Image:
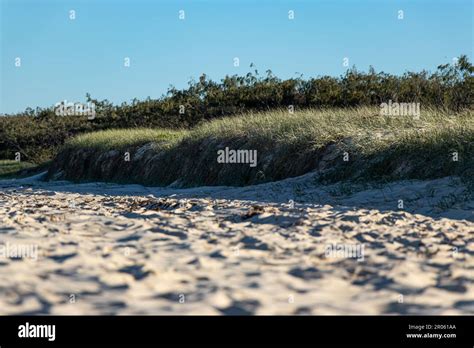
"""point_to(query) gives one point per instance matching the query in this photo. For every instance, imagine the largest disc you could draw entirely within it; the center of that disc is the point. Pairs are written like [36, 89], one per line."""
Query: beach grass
[123, 138]
[11, 169]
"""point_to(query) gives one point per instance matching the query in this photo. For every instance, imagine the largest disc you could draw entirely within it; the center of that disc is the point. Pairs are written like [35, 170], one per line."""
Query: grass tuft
[12, 169]
[123, 138]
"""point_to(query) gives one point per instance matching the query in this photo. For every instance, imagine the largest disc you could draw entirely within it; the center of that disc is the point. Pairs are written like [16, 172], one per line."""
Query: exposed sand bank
[128, 249]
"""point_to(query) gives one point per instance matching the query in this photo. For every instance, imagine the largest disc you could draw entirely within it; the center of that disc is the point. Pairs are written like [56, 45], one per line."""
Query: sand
[289, 247]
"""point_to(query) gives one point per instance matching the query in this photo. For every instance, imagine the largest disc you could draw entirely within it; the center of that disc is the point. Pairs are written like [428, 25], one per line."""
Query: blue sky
[64, 59]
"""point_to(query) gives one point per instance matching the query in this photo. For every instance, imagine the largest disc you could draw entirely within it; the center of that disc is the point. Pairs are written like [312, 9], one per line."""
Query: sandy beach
[288, 247]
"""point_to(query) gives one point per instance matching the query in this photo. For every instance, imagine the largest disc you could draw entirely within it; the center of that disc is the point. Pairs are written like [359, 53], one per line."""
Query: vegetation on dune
[38, 134]
[124, 138]
[13, 169]
[378, 148]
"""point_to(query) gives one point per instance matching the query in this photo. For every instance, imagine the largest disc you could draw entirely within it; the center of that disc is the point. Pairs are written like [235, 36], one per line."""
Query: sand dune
[289, 247]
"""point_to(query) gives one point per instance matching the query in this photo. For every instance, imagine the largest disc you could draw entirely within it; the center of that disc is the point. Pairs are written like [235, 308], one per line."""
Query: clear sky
[63, 58]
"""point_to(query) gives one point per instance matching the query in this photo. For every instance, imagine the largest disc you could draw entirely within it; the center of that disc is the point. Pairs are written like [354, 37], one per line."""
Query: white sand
[128, 249]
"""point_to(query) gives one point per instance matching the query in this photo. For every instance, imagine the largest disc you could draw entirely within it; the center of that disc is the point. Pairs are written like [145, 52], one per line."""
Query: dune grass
[321, 126]
[379, 147]
[11, 169]
[123, 138]
[306, 128]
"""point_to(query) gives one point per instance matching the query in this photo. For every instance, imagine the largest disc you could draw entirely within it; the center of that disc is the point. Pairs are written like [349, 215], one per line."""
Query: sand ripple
[198, 252]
